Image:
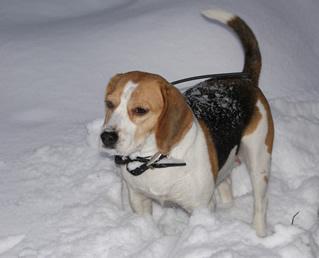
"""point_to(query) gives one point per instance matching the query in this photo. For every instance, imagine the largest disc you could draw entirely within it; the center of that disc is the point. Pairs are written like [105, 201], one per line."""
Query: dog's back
[226, 103]
[226, 107]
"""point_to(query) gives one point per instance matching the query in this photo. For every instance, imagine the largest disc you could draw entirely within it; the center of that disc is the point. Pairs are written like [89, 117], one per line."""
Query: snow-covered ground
[60, 197]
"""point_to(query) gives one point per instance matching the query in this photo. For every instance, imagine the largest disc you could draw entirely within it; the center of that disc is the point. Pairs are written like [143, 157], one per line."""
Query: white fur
[225, 171]
[190, 186]
[219, 15]
[254, 153]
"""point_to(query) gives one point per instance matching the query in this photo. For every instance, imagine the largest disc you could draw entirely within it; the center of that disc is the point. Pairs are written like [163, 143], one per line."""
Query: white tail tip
[219, 15]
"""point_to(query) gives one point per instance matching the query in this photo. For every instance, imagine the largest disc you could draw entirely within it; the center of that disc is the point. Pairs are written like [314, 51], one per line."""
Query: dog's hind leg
[259, 176]
[255, 151]
[225, 191]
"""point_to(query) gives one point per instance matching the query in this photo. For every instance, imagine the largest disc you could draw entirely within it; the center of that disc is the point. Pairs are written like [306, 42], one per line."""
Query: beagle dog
[180, 148]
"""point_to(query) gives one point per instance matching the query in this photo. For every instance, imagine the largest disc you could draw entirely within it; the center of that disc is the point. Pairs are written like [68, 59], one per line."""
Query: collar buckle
[154, 158]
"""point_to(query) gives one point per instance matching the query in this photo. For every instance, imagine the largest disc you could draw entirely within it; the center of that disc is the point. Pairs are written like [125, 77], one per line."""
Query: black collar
[147, 163]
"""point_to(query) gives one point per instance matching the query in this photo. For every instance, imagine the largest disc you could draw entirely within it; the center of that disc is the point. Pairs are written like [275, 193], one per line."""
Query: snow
[9, 242]
[61, 197]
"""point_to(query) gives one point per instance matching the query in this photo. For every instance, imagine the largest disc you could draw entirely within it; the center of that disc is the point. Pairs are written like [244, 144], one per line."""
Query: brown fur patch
[211, 149]
[255, 119]
[148, 96]
[175, 120]
[253, 123]
[114, 89]
[271, 130]
[113, 93]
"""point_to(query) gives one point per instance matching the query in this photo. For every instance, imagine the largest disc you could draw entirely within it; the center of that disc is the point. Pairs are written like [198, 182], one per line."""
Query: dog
[180, 148]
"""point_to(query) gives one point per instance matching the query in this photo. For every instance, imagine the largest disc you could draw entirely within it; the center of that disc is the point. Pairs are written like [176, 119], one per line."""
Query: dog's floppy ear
[175, 120]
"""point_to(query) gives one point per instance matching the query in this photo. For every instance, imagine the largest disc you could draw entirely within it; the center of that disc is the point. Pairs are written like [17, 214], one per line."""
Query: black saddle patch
[226, 106]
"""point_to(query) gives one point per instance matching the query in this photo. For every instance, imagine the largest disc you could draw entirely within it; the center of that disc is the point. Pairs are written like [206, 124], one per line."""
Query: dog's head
[139, 105]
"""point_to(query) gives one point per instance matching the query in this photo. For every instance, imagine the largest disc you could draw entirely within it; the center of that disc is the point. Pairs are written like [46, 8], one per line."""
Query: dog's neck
[179, 151]
[149, 147]
[184, 147]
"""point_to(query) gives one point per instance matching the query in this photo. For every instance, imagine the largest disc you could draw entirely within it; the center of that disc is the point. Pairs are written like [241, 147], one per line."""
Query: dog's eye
[140, 111]
[109, 104]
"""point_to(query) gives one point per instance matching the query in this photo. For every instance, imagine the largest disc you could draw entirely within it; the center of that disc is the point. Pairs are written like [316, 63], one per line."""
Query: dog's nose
[109, 138]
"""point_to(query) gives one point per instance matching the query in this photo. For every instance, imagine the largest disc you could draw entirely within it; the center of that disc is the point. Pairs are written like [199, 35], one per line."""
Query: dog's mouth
[123, 149]
[114, 142]
[119, 148]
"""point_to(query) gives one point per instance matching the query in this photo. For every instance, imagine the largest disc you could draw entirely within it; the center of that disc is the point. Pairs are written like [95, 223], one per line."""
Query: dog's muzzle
[109, 138]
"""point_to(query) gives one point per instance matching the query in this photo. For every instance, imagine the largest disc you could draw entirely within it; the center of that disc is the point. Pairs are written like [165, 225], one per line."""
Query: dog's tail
[252, 64]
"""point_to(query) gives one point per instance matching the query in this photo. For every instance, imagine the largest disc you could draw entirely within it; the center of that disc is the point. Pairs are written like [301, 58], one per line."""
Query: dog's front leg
[124, 194]
[139, 203]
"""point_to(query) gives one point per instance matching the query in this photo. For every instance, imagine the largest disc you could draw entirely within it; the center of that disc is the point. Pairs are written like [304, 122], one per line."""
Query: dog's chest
[226, 107]
[188, 186]
[160, 184]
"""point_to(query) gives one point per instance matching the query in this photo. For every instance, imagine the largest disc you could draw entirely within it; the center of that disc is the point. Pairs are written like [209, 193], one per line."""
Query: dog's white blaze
[120, 115]
[128, 90]
[219, 15]
[121, 122]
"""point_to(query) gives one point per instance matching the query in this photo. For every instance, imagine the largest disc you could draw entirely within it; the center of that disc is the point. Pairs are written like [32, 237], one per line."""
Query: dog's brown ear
[175, 120]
